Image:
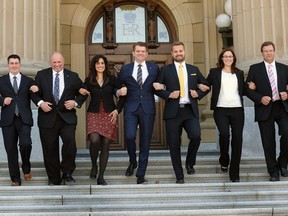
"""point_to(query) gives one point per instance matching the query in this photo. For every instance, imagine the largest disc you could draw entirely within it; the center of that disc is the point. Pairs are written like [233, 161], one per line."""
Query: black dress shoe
[235, 180]
[180, 181]
[274, 178]
[283, 172]
[141, 180]
[101, 181]
[130, 169]
[68, 177]
[93, 172]
[50, 183]
[190, 169]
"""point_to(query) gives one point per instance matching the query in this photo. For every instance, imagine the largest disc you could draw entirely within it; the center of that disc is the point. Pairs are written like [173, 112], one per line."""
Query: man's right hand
[122, 91]
[266, 100]
[46, 106]
[7, 101]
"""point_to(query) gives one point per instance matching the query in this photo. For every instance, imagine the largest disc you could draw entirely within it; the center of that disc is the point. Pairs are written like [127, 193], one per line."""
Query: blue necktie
[15, 87]
[56, 88]
[139, 75]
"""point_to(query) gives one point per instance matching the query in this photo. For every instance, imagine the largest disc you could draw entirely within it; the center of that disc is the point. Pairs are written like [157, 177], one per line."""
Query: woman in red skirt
[101, 114]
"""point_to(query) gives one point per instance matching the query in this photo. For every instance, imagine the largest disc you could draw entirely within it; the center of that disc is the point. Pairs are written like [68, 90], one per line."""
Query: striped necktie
[272, 80]
[139, 75]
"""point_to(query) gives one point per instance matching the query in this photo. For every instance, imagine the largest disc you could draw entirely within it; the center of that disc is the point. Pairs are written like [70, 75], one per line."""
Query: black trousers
[50, 146]
[185, 119]
[11, 134]
[228, 119]
[267, 130]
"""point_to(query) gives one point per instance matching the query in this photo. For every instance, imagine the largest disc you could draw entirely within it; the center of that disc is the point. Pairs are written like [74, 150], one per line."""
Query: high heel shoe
[224, 169]
[93, 172]
[101, 181]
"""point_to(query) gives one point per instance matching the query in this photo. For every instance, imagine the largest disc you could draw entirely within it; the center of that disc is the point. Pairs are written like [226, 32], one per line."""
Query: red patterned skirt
[100, 122]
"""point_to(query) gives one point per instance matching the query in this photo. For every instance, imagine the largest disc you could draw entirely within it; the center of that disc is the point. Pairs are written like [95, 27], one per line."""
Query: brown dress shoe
[28, 176]
[15, 183]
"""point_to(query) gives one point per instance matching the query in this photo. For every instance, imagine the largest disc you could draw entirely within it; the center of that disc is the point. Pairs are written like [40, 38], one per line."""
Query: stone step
[143, 202]
[208, 192]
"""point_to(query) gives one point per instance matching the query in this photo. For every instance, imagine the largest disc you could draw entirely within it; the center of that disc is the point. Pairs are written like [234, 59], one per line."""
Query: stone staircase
[208, 192]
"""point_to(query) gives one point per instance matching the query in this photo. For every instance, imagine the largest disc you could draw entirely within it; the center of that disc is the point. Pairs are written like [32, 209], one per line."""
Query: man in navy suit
[269, 96]
[139, 109]
[16, 118]
[57, 118]
[181, 108]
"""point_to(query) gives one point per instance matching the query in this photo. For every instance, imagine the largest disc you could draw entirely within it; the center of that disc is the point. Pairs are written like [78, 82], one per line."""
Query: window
[128, 24]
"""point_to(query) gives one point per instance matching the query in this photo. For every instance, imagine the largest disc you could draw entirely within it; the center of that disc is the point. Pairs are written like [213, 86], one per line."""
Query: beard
[179, 58]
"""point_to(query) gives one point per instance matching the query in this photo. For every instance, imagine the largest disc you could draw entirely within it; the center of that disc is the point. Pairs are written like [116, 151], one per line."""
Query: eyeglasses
[225, 57]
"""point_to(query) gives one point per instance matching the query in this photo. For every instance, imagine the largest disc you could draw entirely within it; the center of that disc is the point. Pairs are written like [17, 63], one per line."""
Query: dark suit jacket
[104, 93]
[72, 82]
[214, 79]
[136, 94]
[22, 98]
[258, 74]
[168, 76]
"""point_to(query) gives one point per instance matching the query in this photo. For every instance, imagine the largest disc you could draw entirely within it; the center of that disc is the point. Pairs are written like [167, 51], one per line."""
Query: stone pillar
[26, 29]
[255, 22]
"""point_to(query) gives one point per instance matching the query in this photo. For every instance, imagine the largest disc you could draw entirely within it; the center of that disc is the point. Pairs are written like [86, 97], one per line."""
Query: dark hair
[267, 43]
[141, 44]
[93, 73]
[220, 63]
[177, 43]
[14, 56]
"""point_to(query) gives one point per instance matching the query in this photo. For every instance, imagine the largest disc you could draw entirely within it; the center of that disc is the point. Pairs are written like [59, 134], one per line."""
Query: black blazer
[168, 76]
[72, 82]
[22, 98]
[214, 79]
[258, 74]
[105, 93]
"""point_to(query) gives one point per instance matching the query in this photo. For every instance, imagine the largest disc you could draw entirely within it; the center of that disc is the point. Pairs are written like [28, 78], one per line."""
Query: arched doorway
[112, 30]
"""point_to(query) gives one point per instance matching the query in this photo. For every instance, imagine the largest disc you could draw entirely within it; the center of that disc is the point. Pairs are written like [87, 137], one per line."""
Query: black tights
[99, 143]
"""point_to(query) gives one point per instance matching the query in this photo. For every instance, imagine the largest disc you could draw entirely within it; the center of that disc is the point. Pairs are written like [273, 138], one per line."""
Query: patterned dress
[100, 122]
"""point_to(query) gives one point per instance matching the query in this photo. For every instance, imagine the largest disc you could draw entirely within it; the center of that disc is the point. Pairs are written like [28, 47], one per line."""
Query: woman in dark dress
[101, 114]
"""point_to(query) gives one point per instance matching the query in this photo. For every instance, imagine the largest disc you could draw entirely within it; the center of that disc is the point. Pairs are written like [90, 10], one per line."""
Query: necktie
[139, 75]
[273, 83]
[15, 87]
[181, 81]
[56, 88]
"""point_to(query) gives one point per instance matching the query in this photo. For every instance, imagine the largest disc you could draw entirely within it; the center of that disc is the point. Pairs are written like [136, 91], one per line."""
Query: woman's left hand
[114, 115]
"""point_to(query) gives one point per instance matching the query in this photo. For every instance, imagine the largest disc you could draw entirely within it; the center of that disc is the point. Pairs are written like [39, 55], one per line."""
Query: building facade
[82, 28]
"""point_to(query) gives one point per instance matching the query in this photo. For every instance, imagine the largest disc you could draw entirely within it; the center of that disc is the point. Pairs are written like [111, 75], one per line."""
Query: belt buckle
[181, 105]
[17, 114]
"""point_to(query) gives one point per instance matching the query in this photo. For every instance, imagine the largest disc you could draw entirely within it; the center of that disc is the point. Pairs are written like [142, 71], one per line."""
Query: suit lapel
[8, 82]
[66, 82]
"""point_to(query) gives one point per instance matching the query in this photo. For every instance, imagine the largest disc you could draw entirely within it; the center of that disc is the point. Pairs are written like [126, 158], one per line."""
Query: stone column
[26, 29]
[255, 22]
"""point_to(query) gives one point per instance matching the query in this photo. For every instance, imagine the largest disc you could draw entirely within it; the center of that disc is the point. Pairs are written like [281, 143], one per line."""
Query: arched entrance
[112, 30]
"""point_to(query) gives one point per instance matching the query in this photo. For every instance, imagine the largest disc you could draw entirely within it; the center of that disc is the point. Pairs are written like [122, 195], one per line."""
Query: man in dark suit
[58, 98]
[181, 108]
[139, 109]
[16, 118]
[271, 79]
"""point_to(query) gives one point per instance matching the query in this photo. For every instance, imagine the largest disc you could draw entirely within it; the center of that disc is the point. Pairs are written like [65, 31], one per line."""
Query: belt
[17, 114]
[184, 105]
